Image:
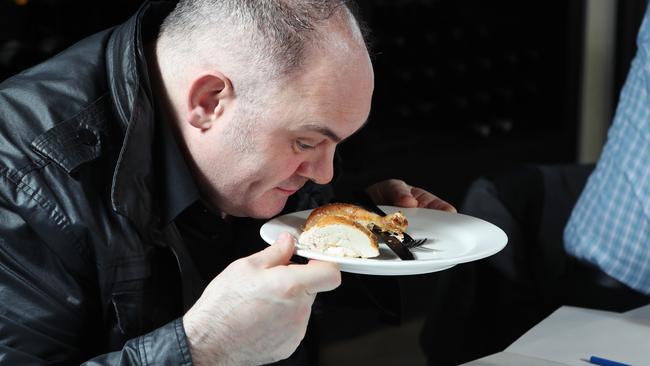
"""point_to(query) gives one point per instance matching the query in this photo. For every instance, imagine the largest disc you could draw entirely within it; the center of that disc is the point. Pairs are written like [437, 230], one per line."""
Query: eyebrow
[325, 131]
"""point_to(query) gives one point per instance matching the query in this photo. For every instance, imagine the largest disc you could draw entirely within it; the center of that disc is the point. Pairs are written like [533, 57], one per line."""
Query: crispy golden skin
[395, 223]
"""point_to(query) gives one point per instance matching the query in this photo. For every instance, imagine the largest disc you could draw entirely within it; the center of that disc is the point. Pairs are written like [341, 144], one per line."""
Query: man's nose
[320, 169]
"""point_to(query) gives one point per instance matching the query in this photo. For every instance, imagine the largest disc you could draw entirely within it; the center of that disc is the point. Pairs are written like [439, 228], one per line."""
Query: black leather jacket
[86, 265]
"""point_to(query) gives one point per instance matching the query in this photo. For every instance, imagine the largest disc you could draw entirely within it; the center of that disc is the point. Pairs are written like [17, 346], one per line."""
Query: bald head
[260, 93]
[250, 38]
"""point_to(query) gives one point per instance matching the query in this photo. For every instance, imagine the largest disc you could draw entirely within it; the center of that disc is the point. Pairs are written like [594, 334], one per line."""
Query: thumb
[277, 254]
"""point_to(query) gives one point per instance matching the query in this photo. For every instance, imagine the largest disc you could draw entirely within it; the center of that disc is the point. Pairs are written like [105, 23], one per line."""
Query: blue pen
[605, 362]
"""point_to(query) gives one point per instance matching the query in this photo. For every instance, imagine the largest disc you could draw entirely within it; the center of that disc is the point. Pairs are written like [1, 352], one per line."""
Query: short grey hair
[263, 35]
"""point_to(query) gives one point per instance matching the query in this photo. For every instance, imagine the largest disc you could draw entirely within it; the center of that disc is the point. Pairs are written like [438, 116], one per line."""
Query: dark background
[466, 88]
[463, 88]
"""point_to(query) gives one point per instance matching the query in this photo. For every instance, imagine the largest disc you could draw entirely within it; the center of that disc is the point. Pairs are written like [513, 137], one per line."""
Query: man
[610, 224]
[128, 160]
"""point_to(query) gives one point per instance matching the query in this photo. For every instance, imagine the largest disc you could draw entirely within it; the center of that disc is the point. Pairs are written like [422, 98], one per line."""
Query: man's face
[291, 137]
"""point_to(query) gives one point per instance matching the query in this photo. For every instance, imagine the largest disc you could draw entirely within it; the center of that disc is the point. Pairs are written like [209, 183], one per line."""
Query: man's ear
[206, 99]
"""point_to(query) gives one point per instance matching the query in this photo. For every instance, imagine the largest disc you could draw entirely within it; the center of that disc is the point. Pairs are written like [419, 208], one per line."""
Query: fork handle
[394, 244]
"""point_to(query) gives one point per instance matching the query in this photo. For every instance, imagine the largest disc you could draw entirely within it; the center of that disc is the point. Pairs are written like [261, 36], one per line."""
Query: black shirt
[209, 238]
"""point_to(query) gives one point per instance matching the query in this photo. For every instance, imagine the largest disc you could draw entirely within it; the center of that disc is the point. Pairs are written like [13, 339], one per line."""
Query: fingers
[274, 255]
[443, 206]
[318, 276]
[399, 194]
[406, 201]
[315, 276]
[428, 200]
[392, 192]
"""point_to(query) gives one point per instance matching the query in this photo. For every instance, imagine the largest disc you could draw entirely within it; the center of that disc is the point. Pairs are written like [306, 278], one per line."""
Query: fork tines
[409, 242]
[414, 243]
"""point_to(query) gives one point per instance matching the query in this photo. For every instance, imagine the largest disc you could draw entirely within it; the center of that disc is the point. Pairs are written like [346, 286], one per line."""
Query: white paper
[511, 359]
[571, 334]
[641, 315]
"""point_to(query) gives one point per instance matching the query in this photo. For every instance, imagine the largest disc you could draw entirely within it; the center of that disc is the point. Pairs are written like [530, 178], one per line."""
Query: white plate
[455, 238]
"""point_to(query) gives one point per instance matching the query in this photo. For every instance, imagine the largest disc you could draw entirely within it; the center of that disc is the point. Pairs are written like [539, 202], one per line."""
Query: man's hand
[256, 311]
[396, 192]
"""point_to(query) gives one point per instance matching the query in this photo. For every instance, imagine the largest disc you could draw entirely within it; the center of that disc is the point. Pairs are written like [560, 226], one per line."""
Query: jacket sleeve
[166, 345]
[49, 315]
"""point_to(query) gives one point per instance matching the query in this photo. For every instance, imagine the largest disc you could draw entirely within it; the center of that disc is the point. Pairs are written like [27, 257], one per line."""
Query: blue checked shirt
[610, 224]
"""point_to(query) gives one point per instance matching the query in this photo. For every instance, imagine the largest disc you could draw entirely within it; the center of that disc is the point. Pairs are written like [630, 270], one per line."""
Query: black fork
[413, 243]
[416, 244]
[408, 240]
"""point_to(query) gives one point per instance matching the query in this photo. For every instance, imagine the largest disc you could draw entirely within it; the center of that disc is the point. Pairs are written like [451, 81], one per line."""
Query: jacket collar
[132, 189]
[176, 187]
[132, 184]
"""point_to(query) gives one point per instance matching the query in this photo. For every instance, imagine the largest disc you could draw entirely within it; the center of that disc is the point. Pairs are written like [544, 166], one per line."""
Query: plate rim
[398, 265]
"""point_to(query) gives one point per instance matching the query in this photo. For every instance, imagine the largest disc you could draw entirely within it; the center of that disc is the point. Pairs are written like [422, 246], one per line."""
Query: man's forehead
[325, 130]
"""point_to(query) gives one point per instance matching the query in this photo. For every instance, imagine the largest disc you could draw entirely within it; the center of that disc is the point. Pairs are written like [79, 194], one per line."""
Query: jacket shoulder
[61, 102]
